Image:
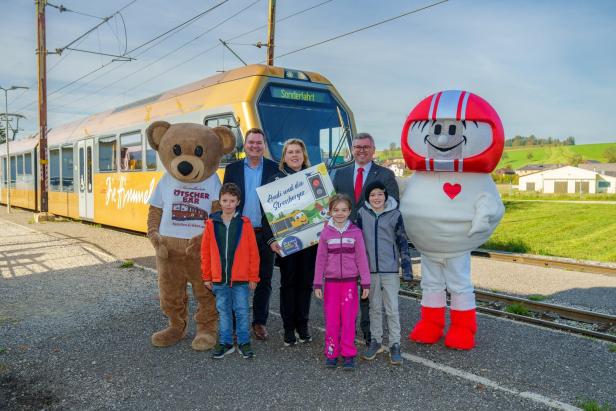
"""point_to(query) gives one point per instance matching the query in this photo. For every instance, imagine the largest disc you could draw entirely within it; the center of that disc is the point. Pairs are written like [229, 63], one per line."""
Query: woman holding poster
[297, 269]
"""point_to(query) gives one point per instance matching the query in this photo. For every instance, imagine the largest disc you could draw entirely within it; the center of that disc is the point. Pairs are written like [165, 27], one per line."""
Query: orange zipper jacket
[246, 255]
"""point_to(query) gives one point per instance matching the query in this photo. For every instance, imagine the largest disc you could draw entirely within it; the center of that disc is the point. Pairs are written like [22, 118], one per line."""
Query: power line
[362, 28]
[105, 20]
[180, 27]
[63, 9]
[200, 53]
[186, 22]
[79, 40]
[150, 64]
[278, 21]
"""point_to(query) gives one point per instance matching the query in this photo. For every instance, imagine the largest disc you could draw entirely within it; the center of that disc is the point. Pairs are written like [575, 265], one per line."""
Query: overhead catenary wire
[361, 29]
[105, 20]
[178, 27]
[63, 9]
[150, 64]
[193, 57]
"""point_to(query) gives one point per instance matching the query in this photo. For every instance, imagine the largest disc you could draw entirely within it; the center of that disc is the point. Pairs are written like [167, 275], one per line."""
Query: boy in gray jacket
[388, 250]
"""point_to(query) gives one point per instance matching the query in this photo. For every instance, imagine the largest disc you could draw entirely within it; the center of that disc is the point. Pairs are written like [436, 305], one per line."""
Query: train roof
[20, 146]
[128, 115]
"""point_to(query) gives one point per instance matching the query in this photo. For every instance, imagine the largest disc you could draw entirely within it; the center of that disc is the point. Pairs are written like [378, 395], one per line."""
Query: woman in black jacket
[297, 269]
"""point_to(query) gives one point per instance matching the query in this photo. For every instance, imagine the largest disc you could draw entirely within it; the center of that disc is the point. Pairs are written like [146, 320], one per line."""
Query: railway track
[548, 262]
[582, 322]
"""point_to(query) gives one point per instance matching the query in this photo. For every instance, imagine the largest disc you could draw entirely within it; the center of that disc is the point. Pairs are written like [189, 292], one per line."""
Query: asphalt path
[75, 328]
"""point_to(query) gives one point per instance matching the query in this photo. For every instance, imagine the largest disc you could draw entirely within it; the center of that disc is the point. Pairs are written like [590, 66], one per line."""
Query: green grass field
[581, 231]
[516, 157]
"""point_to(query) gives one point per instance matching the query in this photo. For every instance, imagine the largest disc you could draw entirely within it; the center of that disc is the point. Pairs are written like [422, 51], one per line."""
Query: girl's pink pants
[340, 303]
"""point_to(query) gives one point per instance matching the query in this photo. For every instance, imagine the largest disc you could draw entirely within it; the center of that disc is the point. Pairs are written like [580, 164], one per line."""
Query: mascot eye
[177, 150]
[437, 129]
[452, 130]
[198, 151]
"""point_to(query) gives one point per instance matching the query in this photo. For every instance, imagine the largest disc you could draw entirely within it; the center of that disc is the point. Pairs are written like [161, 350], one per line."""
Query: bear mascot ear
[226, 137]
[155, 133]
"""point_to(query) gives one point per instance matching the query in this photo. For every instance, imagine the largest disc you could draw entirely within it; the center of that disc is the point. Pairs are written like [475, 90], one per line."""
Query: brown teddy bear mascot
[180, 204]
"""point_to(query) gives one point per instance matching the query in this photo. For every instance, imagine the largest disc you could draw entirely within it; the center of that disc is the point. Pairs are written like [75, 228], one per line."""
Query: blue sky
[548, 67]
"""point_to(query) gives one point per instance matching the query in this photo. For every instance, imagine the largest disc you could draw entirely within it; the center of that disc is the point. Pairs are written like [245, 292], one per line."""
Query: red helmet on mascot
[477, 135]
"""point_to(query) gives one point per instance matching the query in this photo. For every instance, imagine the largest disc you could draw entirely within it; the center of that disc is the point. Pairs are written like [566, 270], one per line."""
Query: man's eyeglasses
[362, 148]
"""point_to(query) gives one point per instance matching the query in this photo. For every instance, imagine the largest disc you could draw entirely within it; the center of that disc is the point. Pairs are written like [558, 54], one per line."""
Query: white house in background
[397, 169]
[568, 179]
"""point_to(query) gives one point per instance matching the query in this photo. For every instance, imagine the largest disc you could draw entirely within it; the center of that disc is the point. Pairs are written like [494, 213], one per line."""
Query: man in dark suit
[250, 173]
[351, 180]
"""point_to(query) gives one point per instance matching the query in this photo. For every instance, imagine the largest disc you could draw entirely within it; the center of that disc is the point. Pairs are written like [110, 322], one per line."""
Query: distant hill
[516, 157]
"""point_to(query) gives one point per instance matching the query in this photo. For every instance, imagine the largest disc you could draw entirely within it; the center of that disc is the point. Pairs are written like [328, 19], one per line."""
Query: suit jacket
[345, 184]
[234, 173]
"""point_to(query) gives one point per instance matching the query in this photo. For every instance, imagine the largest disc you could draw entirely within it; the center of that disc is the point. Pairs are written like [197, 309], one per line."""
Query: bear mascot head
[183, 199]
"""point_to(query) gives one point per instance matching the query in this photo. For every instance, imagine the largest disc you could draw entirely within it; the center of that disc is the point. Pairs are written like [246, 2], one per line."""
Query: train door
[86, 193]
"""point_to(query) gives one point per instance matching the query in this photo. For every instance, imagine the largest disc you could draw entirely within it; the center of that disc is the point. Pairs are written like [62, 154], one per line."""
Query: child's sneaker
[394, 354]
[222, 349]
[304, 335]
[349, 363]
[245, 351]
[331, 362]
[289, 338]
[373, 349]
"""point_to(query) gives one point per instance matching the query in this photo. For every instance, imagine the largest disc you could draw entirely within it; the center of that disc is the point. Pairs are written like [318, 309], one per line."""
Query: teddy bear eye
[198, 151]
[177, 150]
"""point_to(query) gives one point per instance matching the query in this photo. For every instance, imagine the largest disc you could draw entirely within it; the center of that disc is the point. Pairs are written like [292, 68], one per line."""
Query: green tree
[610, 154]
[392, 146]
[575, 159]
[2, 135]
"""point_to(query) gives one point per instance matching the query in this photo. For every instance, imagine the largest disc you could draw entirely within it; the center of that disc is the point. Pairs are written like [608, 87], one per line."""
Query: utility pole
[270, 32]
[6, 139]
[41, 53]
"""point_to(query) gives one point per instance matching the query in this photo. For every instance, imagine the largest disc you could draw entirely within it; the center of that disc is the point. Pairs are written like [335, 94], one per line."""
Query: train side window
[107, 154]
[89, 168]
[28, 163]
[150, 156]
[4, 172]
[55, 184]
[13, 166]
[131, 152]
[227, 120]
[20, 165]
[82, 171]
[67, 168]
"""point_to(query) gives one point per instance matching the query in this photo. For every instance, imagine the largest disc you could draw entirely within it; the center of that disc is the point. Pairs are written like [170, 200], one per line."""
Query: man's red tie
[359, 181]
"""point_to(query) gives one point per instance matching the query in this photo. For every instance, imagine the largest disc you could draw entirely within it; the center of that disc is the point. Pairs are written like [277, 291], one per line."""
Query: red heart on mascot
[452, 190]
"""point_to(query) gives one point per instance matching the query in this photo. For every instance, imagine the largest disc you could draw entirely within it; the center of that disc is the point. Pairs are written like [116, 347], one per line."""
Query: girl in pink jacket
[341, 259]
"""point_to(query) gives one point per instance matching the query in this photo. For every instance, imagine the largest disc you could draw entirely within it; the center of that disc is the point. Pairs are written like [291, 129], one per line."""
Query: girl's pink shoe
[430, 327]
[461, 333]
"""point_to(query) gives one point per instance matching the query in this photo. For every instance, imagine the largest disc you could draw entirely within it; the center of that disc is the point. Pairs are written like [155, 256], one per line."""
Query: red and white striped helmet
[481, 135]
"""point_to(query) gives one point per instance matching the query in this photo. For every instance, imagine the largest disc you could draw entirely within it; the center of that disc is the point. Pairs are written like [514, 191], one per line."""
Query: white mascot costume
[453, 140]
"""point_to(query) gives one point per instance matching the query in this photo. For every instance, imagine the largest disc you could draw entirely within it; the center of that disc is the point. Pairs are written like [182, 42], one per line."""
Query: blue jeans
[230, 300]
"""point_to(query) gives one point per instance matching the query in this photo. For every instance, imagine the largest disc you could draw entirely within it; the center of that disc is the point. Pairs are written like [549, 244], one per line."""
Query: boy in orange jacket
[230, 268]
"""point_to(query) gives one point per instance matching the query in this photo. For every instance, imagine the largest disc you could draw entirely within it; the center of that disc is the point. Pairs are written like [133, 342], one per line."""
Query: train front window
[311, 115]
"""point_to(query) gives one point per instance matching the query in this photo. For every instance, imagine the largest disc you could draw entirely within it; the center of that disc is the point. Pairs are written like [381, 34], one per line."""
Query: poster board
[296, 207]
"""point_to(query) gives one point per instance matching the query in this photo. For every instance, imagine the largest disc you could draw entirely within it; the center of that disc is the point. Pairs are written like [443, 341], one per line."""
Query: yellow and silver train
[101, 168]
